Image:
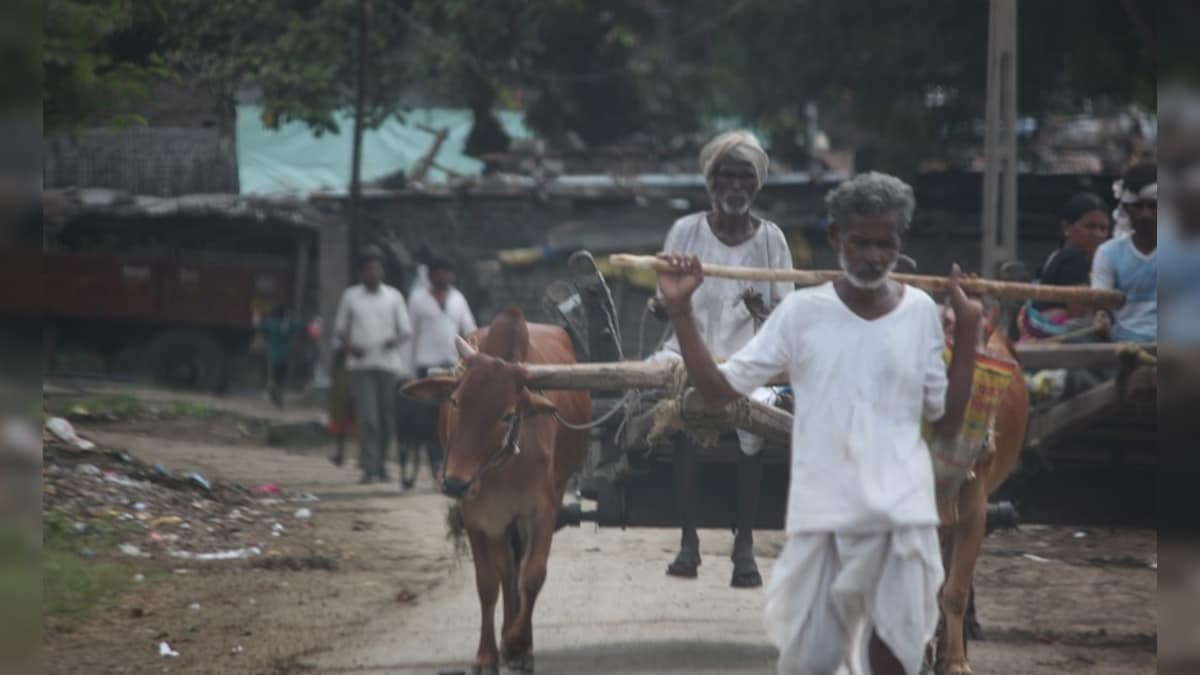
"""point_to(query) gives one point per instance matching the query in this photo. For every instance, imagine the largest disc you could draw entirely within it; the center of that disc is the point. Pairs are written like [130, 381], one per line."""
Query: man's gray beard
[861, 283]
[729, 210]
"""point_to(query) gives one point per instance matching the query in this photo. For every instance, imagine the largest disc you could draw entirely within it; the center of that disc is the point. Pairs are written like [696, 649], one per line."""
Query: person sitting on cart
[728, 312]
[1085, 226]
[1129, 264]
[862, 541]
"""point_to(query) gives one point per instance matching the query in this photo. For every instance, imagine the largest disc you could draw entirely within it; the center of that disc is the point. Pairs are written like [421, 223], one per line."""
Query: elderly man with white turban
[728, 312]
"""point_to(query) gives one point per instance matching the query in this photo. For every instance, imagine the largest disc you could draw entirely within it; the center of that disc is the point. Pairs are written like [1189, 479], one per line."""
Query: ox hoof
[485, 670]
[520, 664]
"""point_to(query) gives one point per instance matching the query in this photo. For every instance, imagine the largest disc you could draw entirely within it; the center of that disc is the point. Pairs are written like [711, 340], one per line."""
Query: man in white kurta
[439, 314]
[372, 325]
[727, 312]
[861, 564]
[861, 516]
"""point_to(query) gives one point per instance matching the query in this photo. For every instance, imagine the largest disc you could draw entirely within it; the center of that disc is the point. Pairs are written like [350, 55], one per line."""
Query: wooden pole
[614, 376]
[608, 376]
[360, 106]
[1000, 139]
[1010, 290]
[761, 419]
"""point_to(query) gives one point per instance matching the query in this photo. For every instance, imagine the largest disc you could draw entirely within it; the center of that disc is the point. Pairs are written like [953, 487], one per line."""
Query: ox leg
[507, 560]
[487, 583]
[972, 626]
[518, 640]
[966, 543]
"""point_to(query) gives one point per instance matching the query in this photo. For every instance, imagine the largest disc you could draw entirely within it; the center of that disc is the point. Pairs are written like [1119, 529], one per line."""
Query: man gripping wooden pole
[1103, 299]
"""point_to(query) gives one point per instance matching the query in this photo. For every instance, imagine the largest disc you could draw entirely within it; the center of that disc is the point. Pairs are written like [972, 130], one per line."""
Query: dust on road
[401, 601]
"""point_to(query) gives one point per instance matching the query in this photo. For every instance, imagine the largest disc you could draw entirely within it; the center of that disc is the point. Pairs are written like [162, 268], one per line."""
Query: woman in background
[1085, 224]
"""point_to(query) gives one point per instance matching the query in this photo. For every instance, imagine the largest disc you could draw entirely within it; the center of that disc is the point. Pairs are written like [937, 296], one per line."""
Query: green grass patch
[74, 586]
[188, 409]
[115, 406]
[20, 586]
[126, 407]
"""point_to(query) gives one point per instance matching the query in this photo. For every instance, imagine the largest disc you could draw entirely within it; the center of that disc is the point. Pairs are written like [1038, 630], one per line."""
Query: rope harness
[508, 449]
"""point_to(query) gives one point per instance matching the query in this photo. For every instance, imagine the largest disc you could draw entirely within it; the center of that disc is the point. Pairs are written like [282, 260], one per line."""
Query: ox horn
[465, 349]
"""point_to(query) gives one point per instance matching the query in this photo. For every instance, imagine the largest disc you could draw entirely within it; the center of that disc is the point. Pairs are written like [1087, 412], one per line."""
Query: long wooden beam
[763, 420]
[1011, 290]
[1087, 407]
[1074, 356]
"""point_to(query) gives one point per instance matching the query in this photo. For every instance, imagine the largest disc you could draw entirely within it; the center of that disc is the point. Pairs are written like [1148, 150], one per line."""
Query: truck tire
[186, 360]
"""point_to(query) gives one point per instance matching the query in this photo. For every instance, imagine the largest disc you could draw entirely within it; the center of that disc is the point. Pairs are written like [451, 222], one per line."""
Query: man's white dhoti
[828, 591]
[748, 442]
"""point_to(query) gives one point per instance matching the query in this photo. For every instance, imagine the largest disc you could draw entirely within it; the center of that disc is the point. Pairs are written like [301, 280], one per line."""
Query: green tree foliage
[95, 63]
[299, 56]
[586, 68]
[909, 74]
[884, 59]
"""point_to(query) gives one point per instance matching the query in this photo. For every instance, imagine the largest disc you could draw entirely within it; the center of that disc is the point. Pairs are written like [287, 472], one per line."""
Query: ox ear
[536, 404]
[431, 389]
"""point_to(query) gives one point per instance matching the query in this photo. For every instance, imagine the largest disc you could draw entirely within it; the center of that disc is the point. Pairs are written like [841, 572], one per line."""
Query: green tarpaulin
[291, 160]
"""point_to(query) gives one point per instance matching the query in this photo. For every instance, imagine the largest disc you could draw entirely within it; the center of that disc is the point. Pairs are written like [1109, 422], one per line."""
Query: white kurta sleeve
[766, 355]
[1103, 274]
[466, 324]
[932, 349]
[781, 258]
[341, 321]
[404, 328]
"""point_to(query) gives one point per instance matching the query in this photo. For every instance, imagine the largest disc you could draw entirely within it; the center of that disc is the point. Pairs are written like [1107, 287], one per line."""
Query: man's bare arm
[961, 373]
[677, 287]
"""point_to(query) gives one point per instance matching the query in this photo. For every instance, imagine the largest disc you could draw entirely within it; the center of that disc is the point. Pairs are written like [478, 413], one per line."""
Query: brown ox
[963, 539]
[508, 459]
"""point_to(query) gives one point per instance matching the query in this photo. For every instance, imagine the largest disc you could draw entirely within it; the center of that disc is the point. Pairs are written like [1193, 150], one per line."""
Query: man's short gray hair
[871, 194]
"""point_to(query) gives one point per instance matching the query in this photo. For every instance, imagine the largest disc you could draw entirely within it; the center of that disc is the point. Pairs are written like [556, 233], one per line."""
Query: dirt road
[1051, 600]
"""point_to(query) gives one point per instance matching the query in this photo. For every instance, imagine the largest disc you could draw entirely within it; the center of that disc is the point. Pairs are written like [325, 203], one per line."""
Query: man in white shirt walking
[439, 314]
[372, 325]
[864, 356]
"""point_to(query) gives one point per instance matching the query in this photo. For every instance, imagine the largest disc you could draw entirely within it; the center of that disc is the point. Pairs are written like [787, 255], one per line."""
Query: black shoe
[364, 480]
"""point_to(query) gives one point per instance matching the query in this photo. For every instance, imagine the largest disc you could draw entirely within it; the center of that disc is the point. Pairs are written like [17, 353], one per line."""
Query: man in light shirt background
[438, 314]
[373, 326]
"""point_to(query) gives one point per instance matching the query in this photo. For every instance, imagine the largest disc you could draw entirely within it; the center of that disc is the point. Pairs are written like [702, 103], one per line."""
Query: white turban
[1121, 223]
[739, 145]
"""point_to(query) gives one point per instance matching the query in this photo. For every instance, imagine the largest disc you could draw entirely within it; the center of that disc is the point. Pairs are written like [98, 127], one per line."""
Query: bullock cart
[628, 472]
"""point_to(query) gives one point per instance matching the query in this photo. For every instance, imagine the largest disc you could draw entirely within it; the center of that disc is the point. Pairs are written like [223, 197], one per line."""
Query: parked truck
[168, 288]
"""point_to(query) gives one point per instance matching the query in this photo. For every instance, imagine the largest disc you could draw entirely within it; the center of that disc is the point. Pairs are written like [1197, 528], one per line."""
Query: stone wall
[156, 161]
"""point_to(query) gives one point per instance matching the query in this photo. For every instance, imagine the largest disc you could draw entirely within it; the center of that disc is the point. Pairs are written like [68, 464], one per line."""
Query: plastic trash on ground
[232, 554]
[63, 430]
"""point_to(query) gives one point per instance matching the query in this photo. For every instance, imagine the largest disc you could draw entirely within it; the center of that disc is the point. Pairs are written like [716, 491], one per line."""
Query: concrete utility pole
[1000, 142]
